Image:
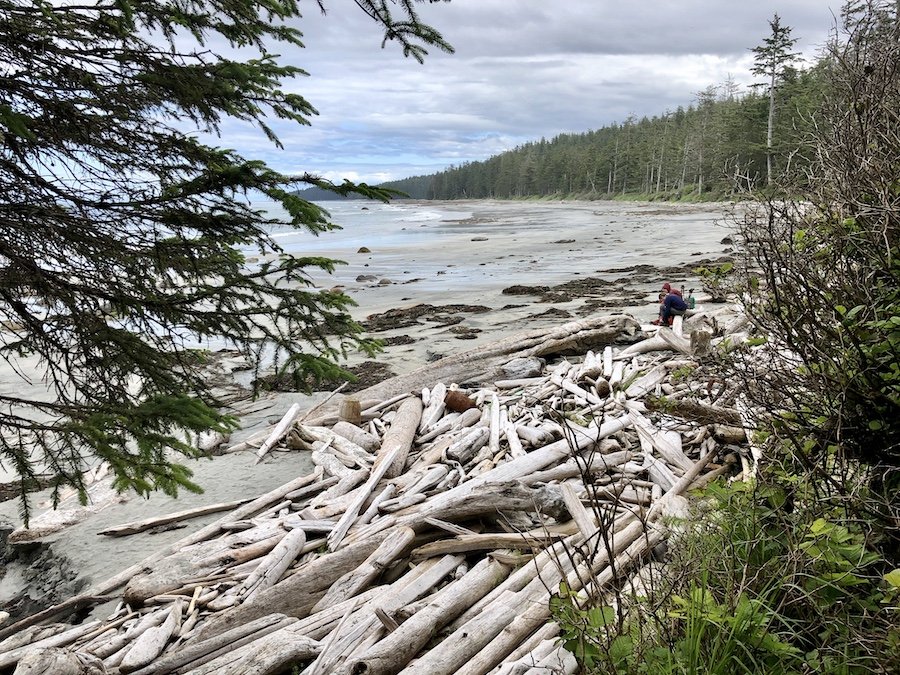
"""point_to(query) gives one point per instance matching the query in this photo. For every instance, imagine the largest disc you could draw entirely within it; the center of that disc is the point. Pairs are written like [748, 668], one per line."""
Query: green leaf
[893, 578]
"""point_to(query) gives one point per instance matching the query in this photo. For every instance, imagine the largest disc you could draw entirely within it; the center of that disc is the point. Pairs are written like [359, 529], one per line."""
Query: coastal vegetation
[798, 570]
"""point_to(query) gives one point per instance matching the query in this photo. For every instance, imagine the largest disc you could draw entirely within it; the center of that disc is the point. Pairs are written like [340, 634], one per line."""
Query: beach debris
[431, 538]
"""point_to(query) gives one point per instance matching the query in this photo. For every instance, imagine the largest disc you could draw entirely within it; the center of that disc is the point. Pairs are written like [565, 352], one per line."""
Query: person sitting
[667, 288]
[672, 305]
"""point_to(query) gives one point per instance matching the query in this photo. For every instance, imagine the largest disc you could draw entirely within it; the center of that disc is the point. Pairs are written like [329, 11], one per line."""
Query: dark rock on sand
[525, 290]
[366, 373]
[405, 317]
[398, 340]
[553, 313]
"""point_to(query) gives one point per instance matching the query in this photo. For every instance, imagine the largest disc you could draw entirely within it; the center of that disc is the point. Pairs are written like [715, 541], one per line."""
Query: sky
[522, 70]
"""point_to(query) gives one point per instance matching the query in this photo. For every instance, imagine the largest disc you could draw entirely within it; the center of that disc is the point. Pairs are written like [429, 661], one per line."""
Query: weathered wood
[465, 448]
[55, 661]
[345, 449]
[278, 432]
[586, 523]
[356, 580]
[177, 516]
[397, 452]
[350, 411]
[671, 451]
[435, 408]
[485, 363]
[695, 411]
[481, 542]
[399, 437]
[192, 654]
[354, 434]
[63, 639]
[269, 655]
[275, 564]
[150, 645]
[397, 649]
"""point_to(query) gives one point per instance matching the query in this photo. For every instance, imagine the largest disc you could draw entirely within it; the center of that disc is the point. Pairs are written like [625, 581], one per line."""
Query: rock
[522, 368]
[727, 241]
[457, 401]
[363, 249]
[366, 277]
[385, 282]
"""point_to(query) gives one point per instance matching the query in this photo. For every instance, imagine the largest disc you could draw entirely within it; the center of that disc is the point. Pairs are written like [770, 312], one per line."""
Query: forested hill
[709, 149]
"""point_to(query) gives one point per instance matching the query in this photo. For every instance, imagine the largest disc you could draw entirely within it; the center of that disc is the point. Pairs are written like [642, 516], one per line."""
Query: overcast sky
[523, 69]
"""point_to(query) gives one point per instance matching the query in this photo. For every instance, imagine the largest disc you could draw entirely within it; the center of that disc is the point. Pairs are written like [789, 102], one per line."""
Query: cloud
[521, 71]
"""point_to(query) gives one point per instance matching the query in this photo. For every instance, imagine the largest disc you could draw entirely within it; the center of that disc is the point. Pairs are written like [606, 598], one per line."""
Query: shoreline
[432, 318]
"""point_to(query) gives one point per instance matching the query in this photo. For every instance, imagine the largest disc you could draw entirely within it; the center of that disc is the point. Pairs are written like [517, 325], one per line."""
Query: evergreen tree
[120, 229]
[772, 59]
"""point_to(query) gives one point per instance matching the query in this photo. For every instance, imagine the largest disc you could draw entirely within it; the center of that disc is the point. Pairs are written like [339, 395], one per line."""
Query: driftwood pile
[431, 535]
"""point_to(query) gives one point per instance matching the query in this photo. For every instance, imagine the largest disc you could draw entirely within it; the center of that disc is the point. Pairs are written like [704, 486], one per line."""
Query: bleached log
[178, 516]
[519, 383]
[266, 656]
[534, 437]
[573, 388]
[618, 373]
[670, 450]
[274, 565]
[343, 446]
[400, 444]
[482, 542]
[434, 409]
[145, 623]
[351, 583]
[366, 625]
[331, 464]
[646, 382]
[360, 437]
[343, 486]
[532, 611]
[465, 448]
[512, 437]
[607, 361]
[597, 462]
[196, 653]
[56, 661]
[586, 523]
[151, 644]
[531, 650]
[664, 340]
[278, 432]
[63, 639]
[494, 438]
[398, 648]
[399, 437]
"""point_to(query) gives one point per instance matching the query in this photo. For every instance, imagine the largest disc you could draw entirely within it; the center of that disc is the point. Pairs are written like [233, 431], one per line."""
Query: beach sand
[607, 256]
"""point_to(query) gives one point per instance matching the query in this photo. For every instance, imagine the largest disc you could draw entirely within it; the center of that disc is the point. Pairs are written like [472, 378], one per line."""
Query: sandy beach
[468, 274]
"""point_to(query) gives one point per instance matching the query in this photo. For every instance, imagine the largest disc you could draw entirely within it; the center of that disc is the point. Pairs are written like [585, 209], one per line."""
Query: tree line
[726, 140]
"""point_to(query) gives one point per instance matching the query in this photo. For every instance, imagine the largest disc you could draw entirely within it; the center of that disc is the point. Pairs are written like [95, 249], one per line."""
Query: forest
[714, 148]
